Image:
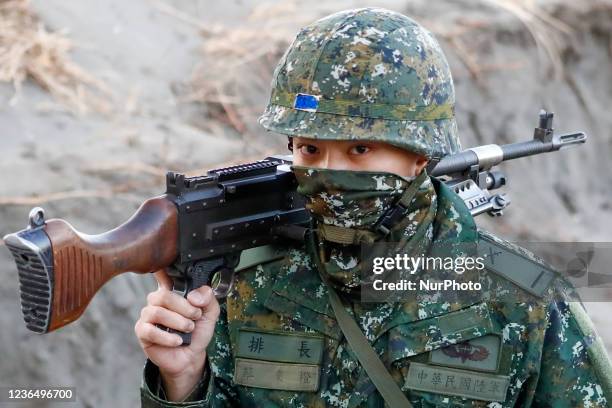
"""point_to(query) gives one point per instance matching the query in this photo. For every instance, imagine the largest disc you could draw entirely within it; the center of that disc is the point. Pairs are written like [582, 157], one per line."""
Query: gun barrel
[531, 147]
[456, 163]
[486, 156]
[522, 149]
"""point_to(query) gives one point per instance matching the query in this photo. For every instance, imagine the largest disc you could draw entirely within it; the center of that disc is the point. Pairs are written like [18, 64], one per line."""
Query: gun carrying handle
[83, 263]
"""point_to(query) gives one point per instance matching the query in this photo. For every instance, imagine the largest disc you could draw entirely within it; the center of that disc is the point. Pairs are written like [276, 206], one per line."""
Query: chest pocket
[453, 360]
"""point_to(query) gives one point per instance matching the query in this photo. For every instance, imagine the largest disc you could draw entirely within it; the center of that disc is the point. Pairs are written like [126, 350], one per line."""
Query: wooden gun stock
[60, 269]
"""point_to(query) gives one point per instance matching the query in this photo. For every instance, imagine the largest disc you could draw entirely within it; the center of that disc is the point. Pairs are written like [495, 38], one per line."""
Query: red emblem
[466, 351]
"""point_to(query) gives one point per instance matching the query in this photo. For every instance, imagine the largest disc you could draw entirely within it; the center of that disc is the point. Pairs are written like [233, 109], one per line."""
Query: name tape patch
[462, 383]
[278, 376]
[289, 347]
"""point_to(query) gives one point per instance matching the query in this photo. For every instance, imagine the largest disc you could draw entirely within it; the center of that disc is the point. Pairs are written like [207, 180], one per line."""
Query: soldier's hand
[180, 366]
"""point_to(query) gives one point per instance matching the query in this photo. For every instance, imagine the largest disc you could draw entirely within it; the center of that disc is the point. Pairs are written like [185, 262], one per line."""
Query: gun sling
[371, 363]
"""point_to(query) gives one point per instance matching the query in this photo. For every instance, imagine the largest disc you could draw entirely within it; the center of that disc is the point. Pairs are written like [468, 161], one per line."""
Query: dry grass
[546, 30]
[234, 77]
[29, 51]
[233, 80]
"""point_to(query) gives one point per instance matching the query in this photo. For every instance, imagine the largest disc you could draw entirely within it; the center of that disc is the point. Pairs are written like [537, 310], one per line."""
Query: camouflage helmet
[366, 74]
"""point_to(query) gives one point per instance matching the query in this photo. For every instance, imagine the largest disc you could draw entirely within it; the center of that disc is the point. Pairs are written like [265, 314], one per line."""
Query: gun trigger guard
[225, 283]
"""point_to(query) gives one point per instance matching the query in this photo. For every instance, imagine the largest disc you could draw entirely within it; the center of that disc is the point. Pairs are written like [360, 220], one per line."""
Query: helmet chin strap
[398, 211]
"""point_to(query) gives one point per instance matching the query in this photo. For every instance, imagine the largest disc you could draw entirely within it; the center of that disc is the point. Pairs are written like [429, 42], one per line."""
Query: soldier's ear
[420, 163]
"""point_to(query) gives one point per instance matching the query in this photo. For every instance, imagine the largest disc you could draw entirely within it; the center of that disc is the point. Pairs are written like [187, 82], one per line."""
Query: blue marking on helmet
[306, 102]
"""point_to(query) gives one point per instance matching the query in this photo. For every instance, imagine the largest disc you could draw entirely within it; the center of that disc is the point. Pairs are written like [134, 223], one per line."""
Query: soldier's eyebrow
[353, 143]
[307, 142]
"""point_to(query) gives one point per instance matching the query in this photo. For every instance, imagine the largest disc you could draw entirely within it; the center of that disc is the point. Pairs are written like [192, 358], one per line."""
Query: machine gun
[200, 226]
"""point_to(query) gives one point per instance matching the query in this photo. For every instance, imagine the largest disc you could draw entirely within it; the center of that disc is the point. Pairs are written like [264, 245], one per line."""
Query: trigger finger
[163, 280]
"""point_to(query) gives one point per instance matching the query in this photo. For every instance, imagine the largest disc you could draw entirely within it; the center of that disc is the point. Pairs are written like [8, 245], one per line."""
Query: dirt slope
[146, 54]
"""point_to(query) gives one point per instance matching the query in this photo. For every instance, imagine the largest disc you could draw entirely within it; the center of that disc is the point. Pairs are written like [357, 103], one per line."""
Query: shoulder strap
[376, 370]
[515, 264]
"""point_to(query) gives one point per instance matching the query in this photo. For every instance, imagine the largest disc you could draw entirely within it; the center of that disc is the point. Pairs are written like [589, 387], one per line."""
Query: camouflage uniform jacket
[277, 343]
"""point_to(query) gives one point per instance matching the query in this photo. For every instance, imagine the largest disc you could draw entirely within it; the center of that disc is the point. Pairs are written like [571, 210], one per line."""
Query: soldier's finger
[204, 298]
[205, 326]
[167, 318]
[149, 334]
[175, 303]
[137, 328]
[163, 280]
[211, 309]
[200, 297]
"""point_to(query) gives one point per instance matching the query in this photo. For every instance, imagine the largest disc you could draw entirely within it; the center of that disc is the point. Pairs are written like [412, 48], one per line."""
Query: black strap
[398, 211]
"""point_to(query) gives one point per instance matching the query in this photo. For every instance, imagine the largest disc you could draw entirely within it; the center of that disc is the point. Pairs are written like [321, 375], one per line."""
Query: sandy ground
[146, 56]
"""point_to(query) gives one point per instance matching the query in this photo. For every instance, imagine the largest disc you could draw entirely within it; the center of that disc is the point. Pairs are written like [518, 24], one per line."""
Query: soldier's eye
[360, 149]
[308, 149]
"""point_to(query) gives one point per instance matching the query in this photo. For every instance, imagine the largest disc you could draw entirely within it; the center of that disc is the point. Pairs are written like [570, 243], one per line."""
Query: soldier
[367, 100]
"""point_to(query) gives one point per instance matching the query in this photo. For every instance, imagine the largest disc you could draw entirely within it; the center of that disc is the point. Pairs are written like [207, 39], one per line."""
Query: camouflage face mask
[348, 198]
[356, 200]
